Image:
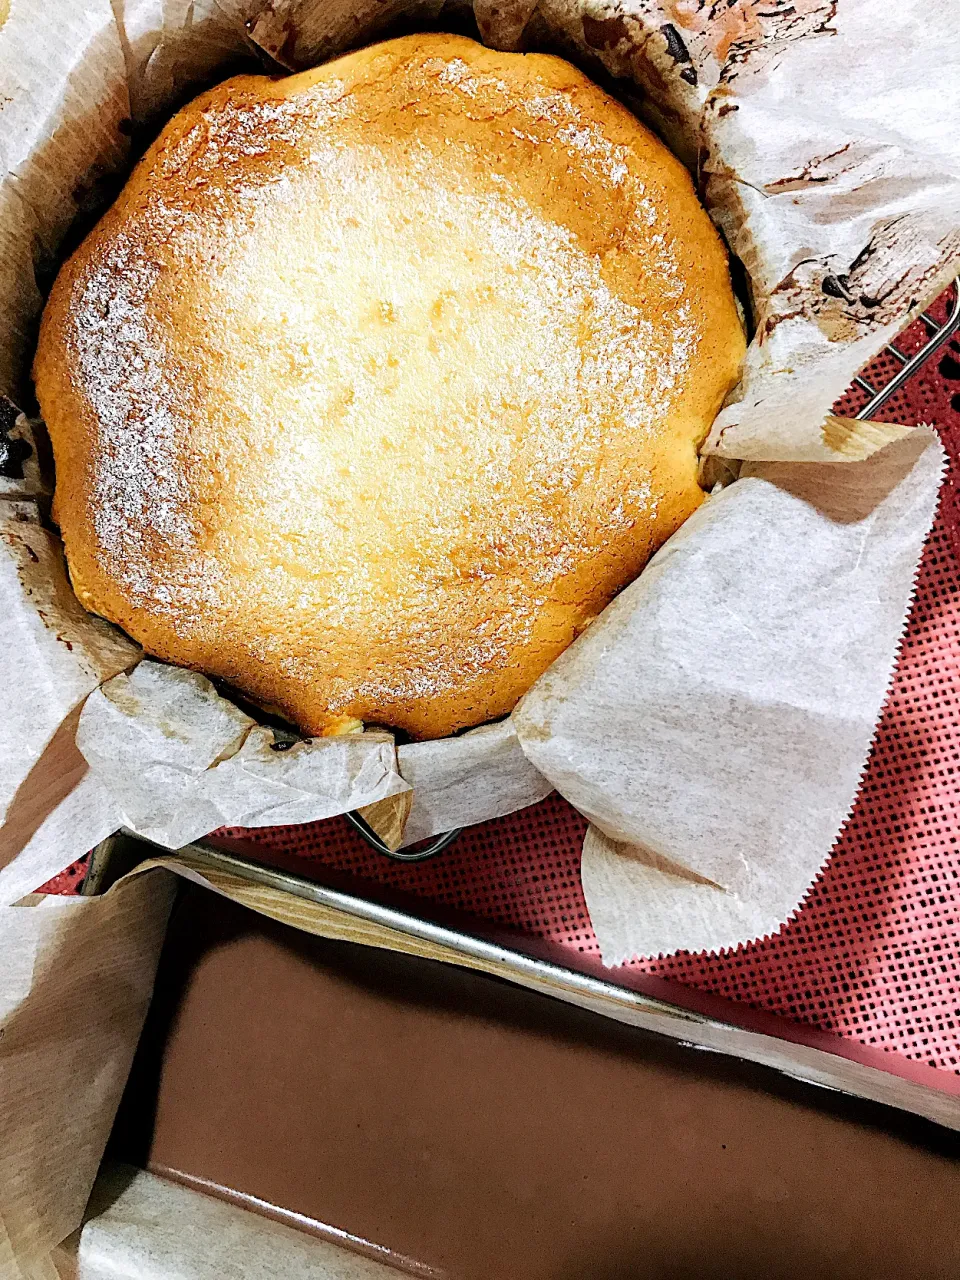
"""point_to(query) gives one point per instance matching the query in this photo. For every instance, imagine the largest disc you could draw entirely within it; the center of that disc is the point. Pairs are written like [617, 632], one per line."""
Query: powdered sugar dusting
[140, 489]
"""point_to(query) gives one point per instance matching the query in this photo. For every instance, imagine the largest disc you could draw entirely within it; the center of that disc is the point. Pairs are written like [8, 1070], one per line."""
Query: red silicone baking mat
[870, 964]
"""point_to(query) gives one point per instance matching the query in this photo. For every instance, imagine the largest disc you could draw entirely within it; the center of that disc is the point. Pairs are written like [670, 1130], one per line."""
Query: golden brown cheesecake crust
[379, 381]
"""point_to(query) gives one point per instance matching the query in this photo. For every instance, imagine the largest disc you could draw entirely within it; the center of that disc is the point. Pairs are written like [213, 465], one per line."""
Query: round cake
[379, 381]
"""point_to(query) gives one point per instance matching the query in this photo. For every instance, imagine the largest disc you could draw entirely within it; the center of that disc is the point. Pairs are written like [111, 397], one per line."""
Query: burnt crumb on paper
[880, 285]
[812, 292]
[679, 52]
[837, 287]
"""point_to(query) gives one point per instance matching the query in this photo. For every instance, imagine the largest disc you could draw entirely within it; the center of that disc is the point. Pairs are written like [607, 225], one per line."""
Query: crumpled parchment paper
[204, 760]
[477, 776]
[76, 975]
[714, 723]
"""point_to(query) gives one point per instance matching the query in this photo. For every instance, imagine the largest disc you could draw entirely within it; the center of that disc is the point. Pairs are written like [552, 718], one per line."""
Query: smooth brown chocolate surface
[489, 1134]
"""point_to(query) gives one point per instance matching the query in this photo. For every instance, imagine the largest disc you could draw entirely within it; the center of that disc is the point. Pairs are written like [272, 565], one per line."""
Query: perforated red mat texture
[873, 954]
